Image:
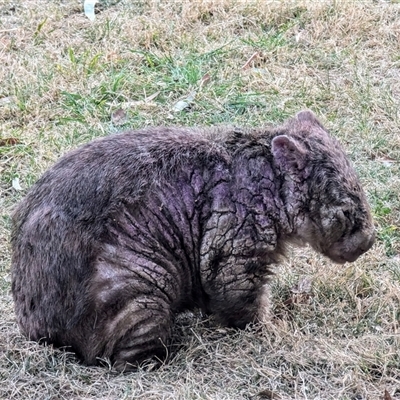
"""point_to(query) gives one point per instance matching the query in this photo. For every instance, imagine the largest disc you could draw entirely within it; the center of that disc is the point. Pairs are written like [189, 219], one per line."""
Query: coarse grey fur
[125, 232]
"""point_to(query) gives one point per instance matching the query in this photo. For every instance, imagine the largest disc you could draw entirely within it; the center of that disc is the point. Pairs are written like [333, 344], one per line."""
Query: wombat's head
[332, 210]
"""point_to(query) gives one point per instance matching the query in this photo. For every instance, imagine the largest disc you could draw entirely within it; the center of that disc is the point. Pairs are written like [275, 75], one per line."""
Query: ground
[333, 331]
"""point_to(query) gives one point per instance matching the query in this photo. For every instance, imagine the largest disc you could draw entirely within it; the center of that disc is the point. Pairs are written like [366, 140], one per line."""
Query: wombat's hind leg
[146, 339]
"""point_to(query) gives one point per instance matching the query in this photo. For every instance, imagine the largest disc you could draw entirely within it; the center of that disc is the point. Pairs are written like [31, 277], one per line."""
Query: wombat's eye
[347, 214]
[350, 222]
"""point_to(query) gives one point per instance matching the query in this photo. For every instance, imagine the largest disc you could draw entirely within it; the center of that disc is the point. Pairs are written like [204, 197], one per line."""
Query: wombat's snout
[369, 243]
[364, 246]
[352, 248]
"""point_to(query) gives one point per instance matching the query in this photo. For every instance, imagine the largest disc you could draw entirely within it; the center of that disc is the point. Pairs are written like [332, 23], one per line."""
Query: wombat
[125, 232]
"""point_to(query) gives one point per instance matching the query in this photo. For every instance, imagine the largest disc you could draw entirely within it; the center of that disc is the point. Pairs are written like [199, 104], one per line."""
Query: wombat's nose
[359, 244]
[368, 243]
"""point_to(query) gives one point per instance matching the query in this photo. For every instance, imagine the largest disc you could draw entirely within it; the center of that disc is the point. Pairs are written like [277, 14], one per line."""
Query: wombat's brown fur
[125, 232]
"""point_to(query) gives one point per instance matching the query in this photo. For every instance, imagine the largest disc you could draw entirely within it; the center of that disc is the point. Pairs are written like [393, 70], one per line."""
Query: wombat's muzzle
[350, 248]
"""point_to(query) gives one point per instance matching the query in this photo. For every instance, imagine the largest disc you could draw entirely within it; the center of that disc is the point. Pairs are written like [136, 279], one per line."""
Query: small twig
[247, 64]
[8, 30]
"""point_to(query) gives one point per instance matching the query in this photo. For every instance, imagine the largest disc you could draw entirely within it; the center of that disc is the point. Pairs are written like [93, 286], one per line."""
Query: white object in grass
[88, 7]
[15, 184]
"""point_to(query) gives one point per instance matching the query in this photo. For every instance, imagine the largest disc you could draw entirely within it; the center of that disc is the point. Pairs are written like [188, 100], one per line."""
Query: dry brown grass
[61, 79]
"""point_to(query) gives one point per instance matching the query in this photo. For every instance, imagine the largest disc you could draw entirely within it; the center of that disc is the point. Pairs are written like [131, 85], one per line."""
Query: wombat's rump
[125, 232]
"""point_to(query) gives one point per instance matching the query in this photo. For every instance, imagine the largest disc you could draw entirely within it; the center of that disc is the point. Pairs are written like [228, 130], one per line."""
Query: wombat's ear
[308, 116]
[288, 153]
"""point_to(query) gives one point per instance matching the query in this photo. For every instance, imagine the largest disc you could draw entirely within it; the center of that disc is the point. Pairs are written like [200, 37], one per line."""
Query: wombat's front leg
[236, 289]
